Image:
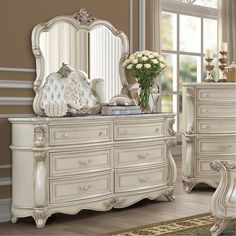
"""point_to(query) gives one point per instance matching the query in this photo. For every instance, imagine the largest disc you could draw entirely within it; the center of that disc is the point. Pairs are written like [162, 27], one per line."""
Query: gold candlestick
[223, 62]
[209, 68]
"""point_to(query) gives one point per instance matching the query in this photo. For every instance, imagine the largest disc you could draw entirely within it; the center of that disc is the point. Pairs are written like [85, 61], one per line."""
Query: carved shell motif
[55, 109]
[84, 17]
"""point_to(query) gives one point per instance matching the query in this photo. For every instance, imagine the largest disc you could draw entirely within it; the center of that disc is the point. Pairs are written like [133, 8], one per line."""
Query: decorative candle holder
[209, 68]
[223, 62]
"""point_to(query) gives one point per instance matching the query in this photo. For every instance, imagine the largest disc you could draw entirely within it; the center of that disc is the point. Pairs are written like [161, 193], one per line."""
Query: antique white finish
[223, 205]
[80, 21]
[209, 130]
[89, 162]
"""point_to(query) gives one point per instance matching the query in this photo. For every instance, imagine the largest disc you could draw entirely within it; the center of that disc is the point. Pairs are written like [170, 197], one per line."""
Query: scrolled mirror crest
[84, 17]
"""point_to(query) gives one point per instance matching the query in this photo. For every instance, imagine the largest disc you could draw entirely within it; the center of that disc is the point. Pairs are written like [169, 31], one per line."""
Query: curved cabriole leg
[170, 195]
[189, 186]
[219, 226]
[40, 217]
[14, 219]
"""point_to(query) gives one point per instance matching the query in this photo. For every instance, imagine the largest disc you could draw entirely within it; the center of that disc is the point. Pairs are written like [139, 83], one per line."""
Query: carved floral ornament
[84, 17]
[218, 165]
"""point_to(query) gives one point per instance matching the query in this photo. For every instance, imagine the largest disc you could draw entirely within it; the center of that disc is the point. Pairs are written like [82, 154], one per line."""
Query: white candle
[209, 53]
[224, 47]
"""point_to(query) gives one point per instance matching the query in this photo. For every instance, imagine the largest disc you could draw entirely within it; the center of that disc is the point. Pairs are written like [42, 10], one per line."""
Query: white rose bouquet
[145, 66]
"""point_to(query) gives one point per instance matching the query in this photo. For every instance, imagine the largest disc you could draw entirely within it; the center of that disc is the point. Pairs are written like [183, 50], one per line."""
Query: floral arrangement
[145, 66]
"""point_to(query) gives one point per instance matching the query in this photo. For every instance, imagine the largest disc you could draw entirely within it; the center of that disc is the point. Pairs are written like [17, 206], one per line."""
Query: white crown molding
[16, 101]
[6, 181]
[5, 210]
[16, 84]
[16, 69]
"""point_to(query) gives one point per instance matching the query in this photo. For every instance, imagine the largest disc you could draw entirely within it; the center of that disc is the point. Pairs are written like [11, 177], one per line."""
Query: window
[187, 30]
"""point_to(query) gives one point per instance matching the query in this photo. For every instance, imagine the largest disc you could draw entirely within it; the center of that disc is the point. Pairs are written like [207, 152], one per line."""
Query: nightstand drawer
[81, 161]
[141, 129]
[216, 145]
[139, 154]
[219, 110]
[216, 94]
[64, 190]
[77, 134]
[216, 126]
[139, 179]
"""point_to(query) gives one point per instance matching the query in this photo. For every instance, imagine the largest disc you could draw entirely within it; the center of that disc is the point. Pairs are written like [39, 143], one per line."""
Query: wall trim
[6, 181]
[16, 101]
[131, 29]
[16, 84]
[4, 116]
[5, 210]
[5, 166]
[16, 69]
[142, 33]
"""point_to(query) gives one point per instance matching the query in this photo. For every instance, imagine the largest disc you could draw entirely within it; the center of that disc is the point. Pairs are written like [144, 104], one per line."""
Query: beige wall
[17, 21]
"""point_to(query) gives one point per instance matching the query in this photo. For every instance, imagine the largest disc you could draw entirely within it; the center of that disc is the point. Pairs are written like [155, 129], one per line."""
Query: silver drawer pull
[65, 135]
[157, 130]
[143, 156]
[100, 133]
[125, 131]
[83, 187]
[85, 162]
[226, 147]
[143, 180]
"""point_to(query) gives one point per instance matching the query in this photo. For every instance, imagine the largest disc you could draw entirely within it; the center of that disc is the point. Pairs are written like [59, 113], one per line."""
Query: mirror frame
[81, 20]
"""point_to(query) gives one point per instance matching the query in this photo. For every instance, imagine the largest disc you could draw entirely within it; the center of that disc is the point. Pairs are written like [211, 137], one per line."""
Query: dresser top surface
[210, 84]
[91, 118]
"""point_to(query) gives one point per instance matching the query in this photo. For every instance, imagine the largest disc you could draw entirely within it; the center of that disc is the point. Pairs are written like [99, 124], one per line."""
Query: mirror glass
[95, 51]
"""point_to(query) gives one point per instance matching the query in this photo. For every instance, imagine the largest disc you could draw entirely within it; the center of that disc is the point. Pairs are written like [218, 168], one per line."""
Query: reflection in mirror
[97, 53]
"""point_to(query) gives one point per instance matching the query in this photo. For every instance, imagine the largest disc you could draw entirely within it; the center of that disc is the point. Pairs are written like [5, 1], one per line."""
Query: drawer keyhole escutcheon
[157, 130]
[143, 180]
[143, 156]
[100, 133]
[83, 187]
[85, 162]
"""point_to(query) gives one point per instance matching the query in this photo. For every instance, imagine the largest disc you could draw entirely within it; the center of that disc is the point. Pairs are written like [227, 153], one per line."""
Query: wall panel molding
[142, 22]
[6, 181]
[5, 210]
[9, 101]
[16, 84]
[16, 69]
[5, 166]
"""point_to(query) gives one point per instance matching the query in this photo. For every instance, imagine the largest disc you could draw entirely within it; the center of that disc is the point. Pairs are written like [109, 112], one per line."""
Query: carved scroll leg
[219, 226]
[14, 219]
[189, 186]
[170, 195]
[40, 217]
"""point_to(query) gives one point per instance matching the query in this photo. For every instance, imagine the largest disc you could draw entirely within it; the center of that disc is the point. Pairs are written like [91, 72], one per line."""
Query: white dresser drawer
[63, 190]
[217, 110]
[82, 161]
[216, 145]
[141, 129]
[216, 126]
[139, 179]
[139, 154]
[76, 134]
[216, 94]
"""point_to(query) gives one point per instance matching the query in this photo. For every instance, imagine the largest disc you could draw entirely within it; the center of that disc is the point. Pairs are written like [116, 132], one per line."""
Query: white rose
[147, 66]
[139, 55]
[124, 64]
[156, 54]
[155, 61]
[161, 58]
[135, 61]
[131, 58]
[136, 53]
[146, 52]
[144, 58]
[151, 56]
[129, 66]
[162, 65]
[139, 66]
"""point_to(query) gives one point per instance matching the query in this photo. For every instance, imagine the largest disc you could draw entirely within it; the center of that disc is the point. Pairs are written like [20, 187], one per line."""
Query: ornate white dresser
[89, 162]
[209, 130]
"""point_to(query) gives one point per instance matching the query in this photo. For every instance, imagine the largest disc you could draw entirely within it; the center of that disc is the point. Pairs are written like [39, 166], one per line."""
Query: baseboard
[5, 210]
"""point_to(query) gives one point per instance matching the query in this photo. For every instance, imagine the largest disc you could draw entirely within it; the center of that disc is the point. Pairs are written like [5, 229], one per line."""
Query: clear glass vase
[144, 99]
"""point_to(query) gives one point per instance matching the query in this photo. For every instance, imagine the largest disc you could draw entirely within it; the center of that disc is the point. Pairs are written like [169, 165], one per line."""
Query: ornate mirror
[87, 44]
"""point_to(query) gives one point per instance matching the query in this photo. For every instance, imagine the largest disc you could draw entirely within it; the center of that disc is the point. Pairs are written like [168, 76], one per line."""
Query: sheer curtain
[228, 27]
